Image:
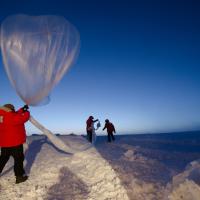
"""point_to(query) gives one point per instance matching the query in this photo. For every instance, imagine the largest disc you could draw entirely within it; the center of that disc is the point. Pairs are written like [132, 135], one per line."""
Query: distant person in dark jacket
[90, 127]
[110, 130]
[12, 137]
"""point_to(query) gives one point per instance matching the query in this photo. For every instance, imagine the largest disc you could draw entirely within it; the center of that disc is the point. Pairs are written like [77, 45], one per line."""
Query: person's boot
[20, 179]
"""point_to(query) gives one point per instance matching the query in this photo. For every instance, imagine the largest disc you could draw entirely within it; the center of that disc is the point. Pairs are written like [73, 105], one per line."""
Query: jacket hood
[6, 109]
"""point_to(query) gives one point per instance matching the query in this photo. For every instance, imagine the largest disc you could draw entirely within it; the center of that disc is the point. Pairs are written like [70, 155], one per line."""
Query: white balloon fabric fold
[37, 51]
[68, 148]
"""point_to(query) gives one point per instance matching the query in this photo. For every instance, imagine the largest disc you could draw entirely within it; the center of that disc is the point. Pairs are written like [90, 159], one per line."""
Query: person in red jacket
[110, 129]
[89, 127]
[12, 137]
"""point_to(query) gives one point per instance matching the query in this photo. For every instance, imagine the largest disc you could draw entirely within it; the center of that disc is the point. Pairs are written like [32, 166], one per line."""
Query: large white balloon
[37, 51]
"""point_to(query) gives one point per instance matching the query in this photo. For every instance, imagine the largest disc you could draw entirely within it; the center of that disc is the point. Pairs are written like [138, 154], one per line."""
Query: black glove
[25, 108]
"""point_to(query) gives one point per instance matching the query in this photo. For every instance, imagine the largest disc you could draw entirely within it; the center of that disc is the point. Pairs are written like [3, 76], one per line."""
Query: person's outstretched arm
[20, 117]
[114, 129]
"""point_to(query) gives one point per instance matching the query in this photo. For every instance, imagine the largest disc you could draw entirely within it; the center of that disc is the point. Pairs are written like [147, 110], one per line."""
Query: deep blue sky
[139, 66]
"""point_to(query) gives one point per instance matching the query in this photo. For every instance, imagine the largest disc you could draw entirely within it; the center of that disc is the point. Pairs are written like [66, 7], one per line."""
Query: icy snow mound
[186, 186]
[56, 175]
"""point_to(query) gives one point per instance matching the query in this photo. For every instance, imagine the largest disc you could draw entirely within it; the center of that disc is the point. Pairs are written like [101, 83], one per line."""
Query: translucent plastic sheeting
[67, 146]
[37, 51]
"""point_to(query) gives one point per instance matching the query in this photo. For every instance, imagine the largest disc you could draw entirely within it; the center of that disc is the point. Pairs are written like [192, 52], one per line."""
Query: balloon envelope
[37, 51]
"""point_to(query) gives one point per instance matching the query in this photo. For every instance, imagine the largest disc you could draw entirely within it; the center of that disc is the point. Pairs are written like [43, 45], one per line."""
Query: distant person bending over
[110, 129]
[90, 127]
[12, 137]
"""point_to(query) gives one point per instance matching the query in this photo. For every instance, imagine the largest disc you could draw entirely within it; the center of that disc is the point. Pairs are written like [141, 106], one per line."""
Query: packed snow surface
[135, 167]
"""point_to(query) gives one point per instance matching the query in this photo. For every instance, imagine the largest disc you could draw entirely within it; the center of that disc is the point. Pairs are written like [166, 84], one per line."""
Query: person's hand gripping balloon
[25, 108]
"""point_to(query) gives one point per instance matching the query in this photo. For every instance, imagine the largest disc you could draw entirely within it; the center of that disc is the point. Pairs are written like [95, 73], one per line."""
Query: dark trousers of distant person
[17, 153]
[110, 135]
[89, 136]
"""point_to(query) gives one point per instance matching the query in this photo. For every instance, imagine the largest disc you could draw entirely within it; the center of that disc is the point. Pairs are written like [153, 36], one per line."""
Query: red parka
[12, 129]
[110, 127]
[89, 124]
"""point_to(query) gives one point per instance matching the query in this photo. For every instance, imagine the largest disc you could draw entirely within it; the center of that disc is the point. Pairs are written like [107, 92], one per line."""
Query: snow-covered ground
[135, 167]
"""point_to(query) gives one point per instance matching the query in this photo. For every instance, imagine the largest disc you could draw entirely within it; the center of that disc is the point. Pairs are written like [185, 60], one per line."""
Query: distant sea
[175, 141]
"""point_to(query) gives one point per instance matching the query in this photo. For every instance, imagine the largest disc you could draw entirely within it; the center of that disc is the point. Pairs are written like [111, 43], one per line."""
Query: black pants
[110, 135]
[89, 136]
[17, 153]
